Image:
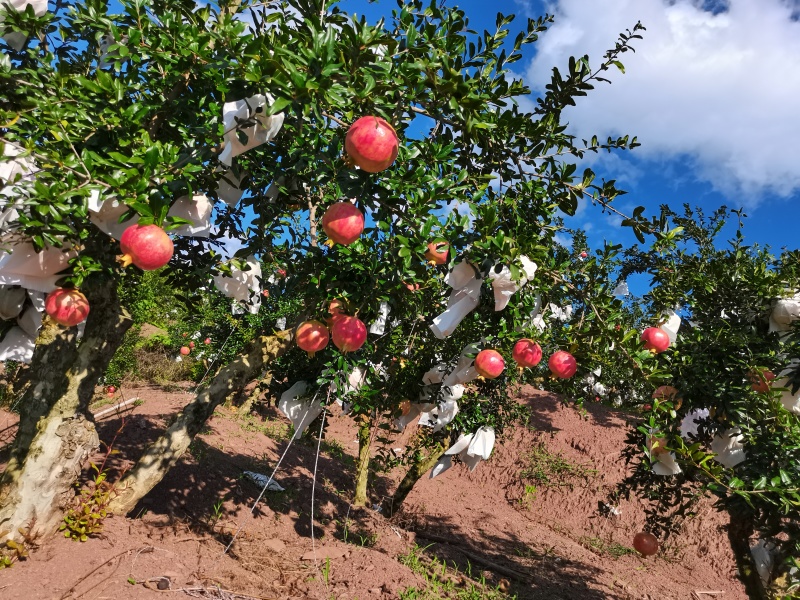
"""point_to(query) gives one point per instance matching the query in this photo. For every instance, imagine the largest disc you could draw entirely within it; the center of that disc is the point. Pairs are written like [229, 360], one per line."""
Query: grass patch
[442, 581]
[544, 468]
[608, 548]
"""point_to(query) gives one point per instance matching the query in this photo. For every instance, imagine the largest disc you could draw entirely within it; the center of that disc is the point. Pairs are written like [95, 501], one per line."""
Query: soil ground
[501, 534]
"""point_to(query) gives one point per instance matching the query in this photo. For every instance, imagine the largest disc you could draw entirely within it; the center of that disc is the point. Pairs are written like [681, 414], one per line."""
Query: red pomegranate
[489, 363]
[348, 333]
[312, 336]
[185, 350]
[372, 144]
[207, 341]
[527, 353]
[760, 381]
[584, 255]
[110, 390]
[656, 340]
[645, 543]
[191, 345]
[146, 246]
[437, 252]
[67, 307]
[343, 223]
[562, 364]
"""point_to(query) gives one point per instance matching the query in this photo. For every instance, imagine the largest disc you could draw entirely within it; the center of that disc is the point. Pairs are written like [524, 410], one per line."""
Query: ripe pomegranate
[584, 255]
[207, 341]
[527, 353]
[645, 543]
[437, 252]
[562, 364]
[668, 393]
[146, 246]
[110, 390]
[191, 345]
[185, 350]
[489, 363]
[372, 144]
[348, 333]
[760, 381]
[343, 223]
[656, 340]
[67, 307]
[312, 336]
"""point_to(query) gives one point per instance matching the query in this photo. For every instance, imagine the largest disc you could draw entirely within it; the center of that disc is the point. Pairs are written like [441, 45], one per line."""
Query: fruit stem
[124, 260]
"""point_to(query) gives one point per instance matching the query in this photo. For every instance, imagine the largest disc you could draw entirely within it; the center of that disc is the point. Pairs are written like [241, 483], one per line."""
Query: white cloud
[720, 89]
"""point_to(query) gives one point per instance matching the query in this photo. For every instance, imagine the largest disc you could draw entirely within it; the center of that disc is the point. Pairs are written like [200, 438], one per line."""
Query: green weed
[442, 581]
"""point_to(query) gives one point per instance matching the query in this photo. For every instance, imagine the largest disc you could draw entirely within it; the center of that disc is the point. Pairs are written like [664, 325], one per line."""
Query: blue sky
[711, 92]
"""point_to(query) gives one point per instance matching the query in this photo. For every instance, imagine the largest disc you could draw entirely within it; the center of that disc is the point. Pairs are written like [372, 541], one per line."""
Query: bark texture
[55, 437]
[414, 473]
[165, 452]
[362, 472]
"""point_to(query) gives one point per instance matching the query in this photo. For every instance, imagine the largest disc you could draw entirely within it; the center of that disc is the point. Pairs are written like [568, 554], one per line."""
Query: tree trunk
[165, 452]
[414, 473]
[739, 531]
[55, 437]
[362, 471]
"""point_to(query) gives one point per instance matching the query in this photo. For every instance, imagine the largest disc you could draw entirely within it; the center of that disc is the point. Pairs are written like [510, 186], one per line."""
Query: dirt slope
[547, 542]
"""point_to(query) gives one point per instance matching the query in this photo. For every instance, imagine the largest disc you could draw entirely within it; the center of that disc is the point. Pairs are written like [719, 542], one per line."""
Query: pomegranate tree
[343, 223]
[67, 307]
[437, 252]
[527, 353]
[655, 339]
[372, 144]
[645, 543]
[489, 363]
[146, 246]
[562, 364]
[312, 336]
[348, 333]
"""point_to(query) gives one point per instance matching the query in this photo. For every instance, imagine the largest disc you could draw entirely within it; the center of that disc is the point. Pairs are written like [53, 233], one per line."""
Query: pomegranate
[348, 333]
[489, 363]
[584, 255]
[146, 246]
[281, 272]
[191, 345]
[265, 293]
[372, 144]
[110, 390]
[312, 336]
[185, 350]
[665, 392]
[562, 364]
[343, 223]
[645, 543]
[437, 252]
[67, 307]
[207, 341]
[656, 340]
[760, 381]
[527, 353]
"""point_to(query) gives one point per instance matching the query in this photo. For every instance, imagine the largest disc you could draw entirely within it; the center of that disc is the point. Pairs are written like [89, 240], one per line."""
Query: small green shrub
[85, 520]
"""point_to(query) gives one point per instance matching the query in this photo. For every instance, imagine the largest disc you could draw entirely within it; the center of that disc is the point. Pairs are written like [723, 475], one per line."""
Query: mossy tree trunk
[56, 433]
[165, 452]
[362, 470]
[414, 474]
